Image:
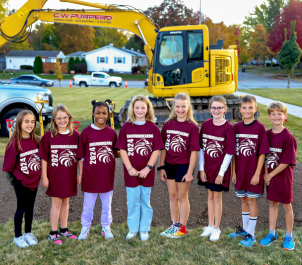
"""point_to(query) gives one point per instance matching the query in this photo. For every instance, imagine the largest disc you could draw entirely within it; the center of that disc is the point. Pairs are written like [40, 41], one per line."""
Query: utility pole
[200, 13]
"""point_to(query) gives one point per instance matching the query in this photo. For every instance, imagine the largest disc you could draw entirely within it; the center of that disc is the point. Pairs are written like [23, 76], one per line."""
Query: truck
[15, 98]
[97, 79]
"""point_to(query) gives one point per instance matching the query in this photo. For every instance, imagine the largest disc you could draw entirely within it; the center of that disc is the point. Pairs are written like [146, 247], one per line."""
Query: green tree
[244, 56]
[58, 70]
[77, 60]
[4, 8]
[105, 36]
[136, 43]
[71, 63]
[290, 52]
[38, 65]
[83, 61]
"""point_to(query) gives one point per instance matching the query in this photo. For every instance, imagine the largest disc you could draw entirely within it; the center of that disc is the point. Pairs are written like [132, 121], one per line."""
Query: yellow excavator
[181, 58]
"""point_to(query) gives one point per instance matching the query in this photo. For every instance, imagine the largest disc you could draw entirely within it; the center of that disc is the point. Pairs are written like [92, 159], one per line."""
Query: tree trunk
[288, 76]
[60, 83]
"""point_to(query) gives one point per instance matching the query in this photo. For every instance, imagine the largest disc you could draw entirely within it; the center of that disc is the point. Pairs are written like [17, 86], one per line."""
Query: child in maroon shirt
[97, 151]
[139, 142]
[251, 146]
[217, 143]
[23, 168]
[58, 151]
[180, 135]
[279, 174]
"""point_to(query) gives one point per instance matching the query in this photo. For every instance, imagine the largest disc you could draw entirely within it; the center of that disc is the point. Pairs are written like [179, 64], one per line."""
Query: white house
[14, 59]
[110, 58]
[79, 54]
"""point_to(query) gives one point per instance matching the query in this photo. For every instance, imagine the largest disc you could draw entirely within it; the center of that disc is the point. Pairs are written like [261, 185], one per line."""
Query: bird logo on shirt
[104, 154]
[143, 146]
[272, 160]
[177, 142]
[247, 147]
[67, 158]
[34, 163]
[214, 149]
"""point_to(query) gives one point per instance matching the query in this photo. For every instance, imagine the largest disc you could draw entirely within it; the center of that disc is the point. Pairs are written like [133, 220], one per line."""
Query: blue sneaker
[248, 241]
[289, 243]
[269, 239]
[239, 232]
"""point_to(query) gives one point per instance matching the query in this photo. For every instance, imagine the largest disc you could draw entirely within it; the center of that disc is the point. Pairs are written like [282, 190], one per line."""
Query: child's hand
[219, 180]
[79, 180]
[267, 178]
[255, 180]
[187, 178]
[163, 175]
[203, 176]
[45, 182]
[234, 178]
[144, 172]
[133, 172]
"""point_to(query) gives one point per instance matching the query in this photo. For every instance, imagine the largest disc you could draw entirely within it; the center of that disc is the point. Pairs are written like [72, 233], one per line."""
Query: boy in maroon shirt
[251, 146]
[279, 174]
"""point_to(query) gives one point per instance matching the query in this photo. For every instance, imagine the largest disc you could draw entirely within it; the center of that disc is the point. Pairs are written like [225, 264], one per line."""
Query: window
[119, 60]
[96, 75]
[102, 60]
[101, 76]
[171, 49]
[195, 46]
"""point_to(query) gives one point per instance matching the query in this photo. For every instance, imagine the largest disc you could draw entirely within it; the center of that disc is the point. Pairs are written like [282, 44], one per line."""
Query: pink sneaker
[55, 239]
[68, 234]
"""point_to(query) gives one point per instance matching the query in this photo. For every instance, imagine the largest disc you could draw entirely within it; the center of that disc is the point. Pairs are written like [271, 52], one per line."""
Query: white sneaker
[207, 231]
[130, 235]
[215, 234]
[168, 232]
[30, 239]
[106, 232]
[84, 233]
[144, 236]
[20, 242]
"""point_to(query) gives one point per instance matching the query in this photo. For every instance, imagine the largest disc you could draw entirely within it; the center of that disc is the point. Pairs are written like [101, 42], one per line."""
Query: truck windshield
[171, 49]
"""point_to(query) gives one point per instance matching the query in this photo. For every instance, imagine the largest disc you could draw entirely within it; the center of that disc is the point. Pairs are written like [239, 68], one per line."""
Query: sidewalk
[291, 109]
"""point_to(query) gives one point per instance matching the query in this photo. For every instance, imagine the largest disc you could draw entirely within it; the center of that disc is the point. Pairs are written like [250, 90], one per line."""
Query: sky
[228, 11]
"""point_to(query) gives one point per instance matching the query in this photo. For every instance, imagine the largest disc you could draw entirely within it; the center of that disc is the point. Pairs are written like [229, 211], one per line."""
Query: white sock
[245, 220]
[252, 225]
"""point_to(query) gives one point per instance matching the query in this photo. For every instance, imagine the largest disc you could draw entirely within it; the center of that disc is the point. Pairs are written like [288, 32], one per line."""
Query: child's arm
[189, 176]
[223, 168]
[131, 170]
[256, 177]
[203, 175]
[277, 170]
[144, 172]
[234, 177]
[80, 165]
[163, 154]
[45, 181]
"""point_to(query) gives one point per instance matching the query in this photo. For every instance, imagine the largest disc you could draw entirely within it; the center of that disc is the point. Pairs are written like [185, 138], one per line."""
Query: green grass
[292, 96]
[268, 70]
[191, 249]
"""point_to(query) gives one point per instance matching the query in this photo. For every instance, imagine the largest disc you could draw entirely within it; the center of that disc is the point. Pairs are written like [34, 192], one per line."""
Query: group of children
[64, 159]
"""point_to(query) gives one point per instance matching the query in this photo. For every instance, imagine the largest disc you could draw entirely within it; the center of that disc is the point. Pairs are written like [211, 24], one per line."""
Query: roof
[120, 49]
[80, 53]
[44, 54]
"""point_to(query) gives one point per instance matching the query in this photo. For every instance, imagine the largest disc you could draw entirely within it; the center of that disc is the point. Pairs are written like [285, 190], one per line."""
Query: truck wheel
[10, 115]
[82, 84]
[112, 84]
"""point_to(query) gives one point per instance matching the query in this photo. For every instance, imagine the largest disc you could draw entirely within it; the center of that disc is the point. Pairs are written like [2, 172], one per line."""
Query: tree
[71, 63]
[136, 43]
[38, 65]
[105, 36]
[3, 8]
[244, 56]
[290, 52]
[77, 60]
[83, 61]
[58, 70]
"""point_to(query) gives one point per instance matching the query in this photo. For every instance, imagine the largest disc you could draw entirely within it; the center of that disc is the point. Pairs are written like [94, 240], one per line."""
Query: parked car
[97, 79]
[32, 80]
[15, 98]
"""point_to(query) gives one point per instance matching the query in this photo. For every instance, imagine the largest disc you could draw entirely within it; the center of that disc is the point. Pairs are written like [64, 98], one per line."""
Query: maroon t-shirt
[24, 164]
[140, 141]
[251, 142]
[180, 139]
[97, 149]
[283, 148]
[217, 141]
[60, 152]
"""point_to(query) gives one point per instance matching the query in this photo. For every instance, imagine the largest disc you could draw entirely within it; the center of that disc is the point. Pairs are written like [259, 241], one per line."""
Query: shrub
[71, 63]
[134, 70]
[26, 67]
[80, 68]
[38, 65]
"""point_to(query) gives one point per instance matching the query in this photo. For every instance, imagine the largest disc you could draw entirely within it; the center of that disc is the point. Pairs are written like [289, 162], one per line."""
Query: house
[14, 59]
[2, 61]
[113, 59]
[79, 54]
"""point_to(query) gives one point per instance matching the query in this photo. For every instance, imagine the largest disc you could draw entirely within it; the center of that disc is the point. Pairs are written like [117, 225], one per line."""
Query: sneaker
[289, 243]
[84, 233]
[207, 231]
[239, 232]
[106, 233]
[180, 231]
[20, 242]
[130, 235]
[269, 239]
[215, 235]
[144, 236]
[169, 231]
[30, 239]
[55, 239]
[248, 241]
[68, 234]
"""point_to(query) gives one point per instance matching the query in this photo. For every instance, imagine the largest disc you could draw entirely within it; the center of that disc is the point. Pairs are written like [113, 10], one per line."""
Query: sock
[53, 232]
[272, 232]
[289, 234]
[211, 226]
[63, 230]
[252, 225]
[245, 221]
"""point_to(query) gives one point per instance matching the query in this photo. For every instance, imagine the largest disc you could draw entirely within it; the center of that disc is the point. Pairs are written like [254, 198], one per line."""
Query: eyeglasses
[219, 108]
[62, 118]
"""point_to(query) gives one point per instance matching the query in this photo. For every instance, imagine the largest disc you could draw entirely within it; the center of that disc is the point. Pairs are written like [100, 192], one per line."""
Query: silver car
[31, 80]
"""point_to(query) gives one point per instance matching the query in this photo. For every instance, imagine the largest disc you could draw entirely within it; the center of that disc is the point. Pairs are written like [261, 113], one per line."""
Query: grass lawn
[268, 70]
